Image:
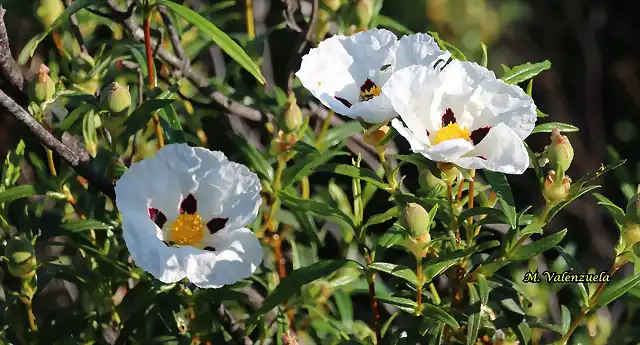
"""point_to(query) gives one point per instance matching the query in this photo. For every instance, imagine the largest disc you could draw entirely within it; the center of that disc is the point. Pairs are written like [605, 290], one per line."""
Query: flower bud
[334, 5]
[449, 170]
[374, 137]
[292, 114]
[633, 210]
[631, 234]
[80, 66]
[555, 191]
[116, 99]
[21, 257]
[416, 219]
[42, 87]
[560, 151]
[429, 181]
[364, 10]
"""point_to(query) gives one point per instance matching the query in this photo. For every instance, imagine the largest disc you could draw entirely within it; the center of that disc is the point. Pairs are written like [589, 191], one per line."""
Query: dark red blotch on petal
[209, 248]
[478, 134]
[189, 205]
[343, 101]
[157, 217]
[482, 157]
[216, 224]
[367, 85]
[448, 117]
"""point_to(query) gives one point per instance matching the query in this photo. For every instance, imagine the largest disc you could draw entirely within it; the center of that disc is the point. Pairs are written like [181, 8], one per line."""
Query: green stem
[420, 284]
[388, 173]
[434, 292]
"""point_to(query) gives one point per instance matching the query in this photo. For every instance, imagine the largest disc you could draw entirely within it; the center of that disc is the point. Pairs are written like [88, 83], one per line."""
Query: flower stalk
[151, 74]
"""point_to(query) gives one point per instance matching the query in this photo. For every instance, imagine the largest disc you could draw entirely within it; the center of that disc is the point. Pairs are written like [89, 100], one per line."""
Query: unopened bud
[21, 257]
[416, 219]
[334, 5]
[631, 234]
[292, 114]
[116, 99]
[374, 138]
[633, 210]
[42, 87]
[364, 10]
[80, 66]
[429, 181]
[560, 151]
[449, 170]
[555, 191]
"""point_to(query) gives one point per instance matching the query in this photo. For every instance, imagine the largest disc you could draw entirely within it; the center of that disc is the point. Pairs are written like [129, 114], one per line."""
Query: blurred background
[593, 83]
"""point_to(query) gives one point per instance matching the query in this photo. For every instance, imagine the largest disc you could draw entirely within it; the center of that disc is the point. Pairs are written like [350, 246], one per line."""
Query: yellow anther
[187, 229]
[451, 131]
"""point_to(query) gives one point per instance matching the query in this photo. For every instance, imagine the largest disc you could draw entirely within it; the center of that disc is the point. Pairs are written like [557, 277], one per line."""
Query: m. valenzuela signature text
[567, 277]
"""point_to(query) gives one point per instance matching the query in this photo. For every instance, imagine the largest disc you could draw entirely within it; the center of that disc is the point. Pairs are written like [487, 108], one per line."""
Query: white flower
[184, 213]
[54, 113]
[463, 115]
[346, 73]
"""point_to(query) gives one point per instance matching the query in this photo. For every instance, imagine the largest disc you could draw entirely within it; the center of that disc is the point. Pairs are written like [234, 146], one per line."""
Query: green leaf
[577, 185]
[292, 283]
[574, 265]
[141, 116]
[355, 172]
[74, 116]
[485, 57]
[566, 319]
[616, 212]
[549, 126]
[614, 290]
[253, 157]
[473, 323]
[477, 211]
[533, 161]
[483, 287]
[19, 192]
[74, 7]
[84, 225]
[437, 266]
[404, 304]
[382, 217]
[171, 123]
[396, 270]
[455, 52]
[434, 312]
[520, 73]
[386, 325]
[304, 166]
[394, 25]
[500, 185]
[339, 134]
[221, 39]
[319, 208]
[540, 246]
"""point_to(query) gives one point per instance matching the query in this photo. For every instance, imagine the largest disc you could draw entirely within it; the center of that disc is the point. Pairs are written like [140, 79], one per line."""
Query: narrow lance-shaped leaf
[540, 246]
[473, 323]
[221, 39]
[500, 185]
[524, 72]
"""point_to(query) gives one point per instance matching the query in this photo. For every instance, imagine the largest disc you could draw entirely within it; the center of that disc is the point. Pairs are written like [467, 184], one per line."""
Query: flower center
[368, 90]
[187, 229]
[451, 131]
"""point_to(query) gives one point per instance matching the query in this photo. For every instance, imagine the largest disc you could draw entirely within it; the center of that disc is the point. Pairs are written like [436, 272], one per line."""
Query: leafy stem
[592, 303]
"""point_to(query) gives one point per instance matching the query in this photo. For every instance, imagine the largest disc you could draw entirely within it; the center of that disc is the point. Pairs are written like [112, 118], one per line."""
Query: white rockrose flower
[346, 73]
[184, 213]
[464, 115]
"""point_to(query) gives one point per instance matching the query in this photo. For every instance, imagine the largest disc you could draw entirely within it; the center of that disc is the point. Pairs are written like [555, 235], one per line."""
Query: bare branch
[234, 328]
[76, 29]
[9, 69]
[173, 35]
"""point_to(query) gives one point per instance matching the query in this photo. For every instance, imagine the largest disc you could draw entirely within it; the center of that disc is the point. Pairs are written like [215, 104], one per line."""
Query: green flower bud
[631, 234]
[555, 191]
[334, 5]
[633, 210]
[116, 99]
[364, 10]
[429, 181]
[560, 151]
[21, 257]
[449, 170]
[416, 219]
[292, 114]
[42, 87]
[80, 66]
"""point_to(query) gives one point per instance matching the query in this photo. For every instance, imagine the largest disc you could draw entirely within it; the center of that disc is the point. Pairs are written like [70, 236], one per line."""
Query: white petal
[419, 49]
[166, 264]
[504, 152]
[341, 64]
[226, 189]
[376, 110]
[411, 92]
[237, 256]
[493, 101]
[446, 151]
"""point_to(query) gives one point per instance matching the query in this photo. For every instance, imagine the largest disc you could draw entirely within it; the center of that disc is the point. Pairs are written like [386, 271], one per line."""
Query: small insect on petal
[157, 217]
[216, 224]
[189, 205]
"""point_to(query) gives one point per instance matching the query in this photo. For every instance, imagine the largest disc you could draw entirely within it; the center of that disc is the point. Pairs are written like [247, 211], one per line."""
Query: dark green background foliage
[334, 232]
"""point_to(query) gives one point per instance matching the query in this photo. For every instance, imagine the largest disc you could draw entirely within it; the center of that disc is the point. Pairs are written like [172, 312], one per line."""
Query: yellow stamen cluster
[451, 131]
[187, 229]
[366, 95]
